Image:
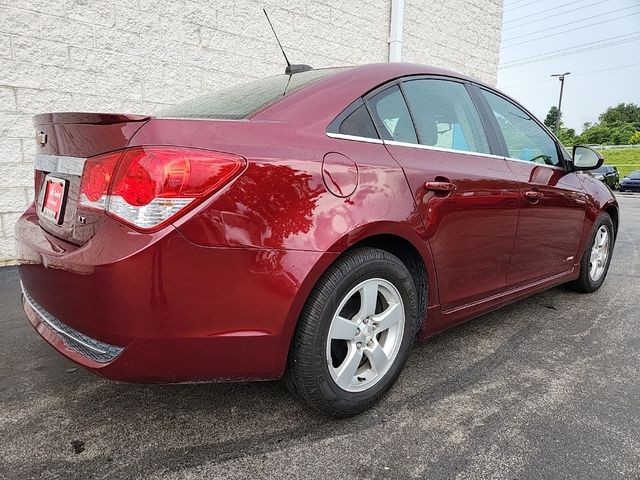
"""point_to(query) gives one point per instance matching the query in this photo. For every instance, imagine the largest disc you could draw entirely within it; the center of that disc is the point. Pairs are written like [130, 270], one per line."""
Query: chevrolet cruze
[307, 226]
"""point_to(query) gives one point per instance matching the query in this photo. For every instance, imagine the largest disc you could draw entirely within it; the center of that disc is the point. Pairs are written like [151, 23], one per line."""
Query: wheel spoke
[347, 370]
[369, 298]
[596, 241]
[342, 329]
[603, 238]
[599, 253]
[392, 315]
[377, 357]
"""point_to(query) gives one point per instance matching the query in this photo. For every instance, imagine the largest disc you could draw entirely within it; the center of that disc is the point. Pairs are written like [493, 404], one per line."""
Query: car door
[552, 202]
[468, 197]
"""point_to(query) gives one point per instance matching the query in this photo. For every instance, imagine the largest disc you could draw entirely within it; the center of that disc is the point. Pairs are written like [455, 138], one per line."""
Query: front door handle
[533, 196]
[440, 186]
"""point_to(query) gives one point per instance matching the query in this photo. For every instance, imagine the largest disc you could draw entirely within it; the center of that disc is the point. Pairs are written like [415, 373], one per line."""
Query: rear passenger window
[358, 124]
[525, 139]
[445, 116]
[392, 116]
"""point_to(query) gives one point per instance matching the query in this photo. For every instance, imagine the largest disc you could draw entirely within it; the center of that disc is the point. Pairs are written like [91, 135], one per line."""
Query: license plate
[54, 198]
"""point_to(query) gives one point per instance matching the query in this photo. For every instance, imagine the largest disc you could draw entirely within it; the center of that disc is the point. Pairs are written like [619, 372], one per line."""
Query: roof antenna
[291, 69]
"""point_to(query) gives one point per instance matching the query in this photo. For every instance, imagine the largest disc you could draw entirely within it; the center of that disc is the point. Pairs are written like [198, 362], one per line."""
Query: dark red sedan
[309, 226]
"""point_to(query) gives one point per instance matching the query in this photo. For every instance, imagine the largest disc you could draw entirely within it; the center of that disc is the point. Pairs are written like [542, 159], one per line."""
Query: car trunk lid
[64, 142]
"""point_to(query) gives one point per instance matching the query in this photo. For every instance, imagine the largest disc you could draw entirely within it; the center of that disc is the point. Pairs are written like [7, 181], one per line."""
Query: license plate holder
[55, 196]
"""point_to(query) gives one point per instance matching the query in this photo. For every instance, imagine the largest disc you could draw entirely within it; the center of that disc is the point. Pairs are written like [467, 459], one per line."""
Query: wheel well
[411, 258]
[613, 213]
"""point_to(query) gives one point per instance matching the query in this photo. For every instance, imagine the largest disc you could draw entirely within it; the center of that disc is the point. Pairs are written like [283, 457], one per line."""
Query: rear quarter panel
[280, 202]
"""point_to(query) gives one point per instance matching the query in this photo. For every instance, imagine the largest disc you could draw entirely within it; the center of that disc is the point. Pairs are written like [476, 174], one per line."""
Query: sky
[598, 41]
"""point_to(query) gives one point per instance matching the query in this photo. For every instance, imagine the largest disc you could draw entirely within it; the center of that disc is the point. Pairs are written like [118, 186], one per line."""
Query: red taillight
[147, 186]
[96, 177]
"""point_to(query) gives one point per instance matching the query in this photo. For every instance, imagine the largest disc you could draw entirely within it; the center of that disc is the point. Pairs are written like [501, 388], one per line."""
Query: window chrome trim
[59, 164]
[441, 149]
[555, 167]
[355, 138]
[464, 152]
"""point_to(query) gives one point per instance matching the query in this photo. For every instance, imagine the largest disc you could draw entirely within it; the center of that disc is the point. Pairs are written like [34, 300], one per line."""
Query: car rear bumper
[157, 308]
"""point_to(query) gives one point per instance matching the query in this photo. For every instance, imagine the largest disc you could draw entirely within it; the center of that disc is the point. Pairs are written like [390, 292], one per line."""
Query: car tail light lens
[149, 186]
[96, 177]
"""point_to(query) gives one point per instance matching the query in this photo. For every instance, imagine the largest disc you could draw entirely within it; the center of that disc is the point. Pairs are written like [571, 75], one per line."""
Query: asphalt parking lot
[545, 388]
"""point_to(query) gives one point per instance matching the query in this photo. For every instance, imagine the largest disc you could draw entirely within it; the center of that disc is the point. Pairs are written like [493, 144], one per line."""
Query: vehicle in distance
[308, 227]
[608, 174]
[631, 182]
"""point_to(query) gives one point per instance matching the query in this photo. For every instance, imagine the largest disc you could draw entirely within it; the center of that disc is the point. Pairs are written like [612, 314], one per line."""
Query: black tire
[584, 283]
[307, 374]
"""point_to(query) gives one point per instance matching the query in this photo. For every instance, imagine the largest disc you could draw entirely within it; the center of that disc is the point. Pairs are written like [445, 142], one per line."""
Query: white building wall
[460, 35]
[137, 55]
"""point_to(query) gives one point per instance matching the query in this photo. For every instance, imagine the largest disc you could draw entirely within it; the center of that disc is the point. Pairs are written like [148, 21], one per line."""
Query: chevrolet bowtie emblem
[41, 139]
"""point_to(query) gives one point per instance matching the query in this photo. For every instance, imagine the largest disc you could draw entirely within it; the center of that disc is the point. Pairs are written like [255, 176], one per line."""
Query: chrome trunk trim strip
[59, 164]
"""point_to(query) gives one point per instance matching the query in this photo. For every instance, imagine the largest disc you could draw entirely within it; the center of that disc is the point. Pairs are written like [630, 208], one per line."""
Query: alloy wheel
[599, 253]
[365, 335]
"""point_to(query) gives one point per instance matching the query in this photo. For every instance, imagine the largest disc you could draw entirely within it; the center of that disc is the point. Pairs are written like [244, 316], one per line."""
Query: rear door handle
[440, 186]
[533, 196]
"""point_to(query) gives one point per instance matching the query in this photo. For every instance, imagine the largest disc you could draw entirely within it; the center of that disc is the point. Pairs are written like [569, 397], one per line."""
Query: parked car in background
[307, 226]
[631, 182]
[608, 174]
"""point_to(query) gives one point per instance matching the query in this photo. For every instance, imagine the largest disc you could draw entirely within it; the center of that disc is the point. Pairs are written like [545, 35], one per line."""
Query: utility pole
[561, 78]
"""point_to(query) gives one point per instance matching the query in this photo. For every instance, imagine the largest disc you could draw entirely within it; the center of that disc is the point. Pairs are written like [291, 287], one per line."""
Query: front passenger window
[525, 139]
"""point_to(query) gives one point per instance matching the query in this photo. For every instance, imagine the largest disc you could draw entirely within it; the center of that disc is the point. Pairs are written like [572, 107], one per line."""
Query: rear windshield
[242, 100]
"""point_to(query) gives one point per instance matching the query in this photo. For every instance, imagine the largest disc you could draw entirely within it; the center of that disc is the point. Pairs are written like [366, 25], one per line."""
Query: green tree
[596, 134]
[620, 133]
[635, 138]
[621, 113]
[552, 118]
[567, 136]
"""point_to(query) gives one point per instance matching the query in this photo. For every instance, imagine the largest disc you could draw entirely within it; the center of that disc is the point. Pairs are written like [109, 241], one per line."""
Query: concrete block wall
[136, 56]
[460, 35]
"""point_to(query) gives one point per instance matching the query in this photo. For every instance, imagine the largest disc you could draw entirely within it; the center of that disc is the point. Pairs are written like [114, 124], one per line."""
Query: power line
[605, 42]
[550, 57]
[513, 3]
[549, 16]
[573, 22]
[607, 69]
[547, 10]
[526, 5]
[616, 37]
[618, 67]
[568, 30]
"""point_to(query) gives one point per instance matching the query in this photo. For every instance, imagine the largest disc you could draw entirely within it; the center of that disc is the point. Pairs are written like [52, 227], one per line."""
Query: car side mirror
[585, 158]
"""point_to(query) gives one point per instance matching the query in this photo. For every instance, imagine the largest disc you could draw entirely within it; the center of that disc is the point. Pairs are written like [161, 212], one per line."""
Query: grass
[627, 160]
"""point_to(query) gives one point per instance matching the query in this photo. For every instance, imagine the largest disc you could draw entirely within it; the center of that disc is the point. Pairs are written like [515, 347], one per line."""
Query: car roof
[345, 86]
